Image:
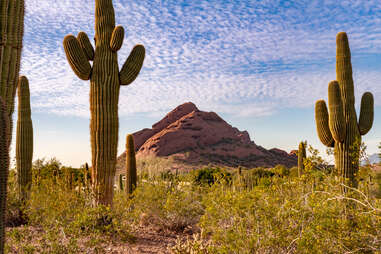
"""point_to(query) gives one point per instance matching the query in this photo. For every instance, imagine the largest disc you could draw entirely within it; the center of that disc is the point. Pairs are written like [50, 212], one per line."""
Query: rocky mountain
[199, 138]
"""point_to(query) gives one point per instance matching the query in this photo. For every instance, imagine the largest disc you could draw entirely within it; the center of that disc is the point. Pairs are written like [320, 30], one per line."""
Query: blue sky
[261, 65]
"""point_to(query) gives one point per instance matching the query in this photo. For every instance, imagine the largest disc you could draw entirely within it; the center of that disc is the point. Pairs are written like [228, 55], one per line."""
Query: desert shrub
[291, 216]
[294, 172]
[280, 170]
[150, 166]
[377, 183]
[167, 206]
[194, 245]
[210, 175]
[59, 217]
[53, 170]
[314, 162]
[256, 176]
[369, 181]
[261, 172]
[46, 169]
[168, 175]
[14, 213]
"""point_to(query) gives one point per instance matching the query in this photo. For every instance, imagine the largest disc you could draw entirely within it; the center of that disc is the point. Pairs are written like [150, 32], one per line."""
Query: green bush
[210, 175]
[281, 171]
[256, 176]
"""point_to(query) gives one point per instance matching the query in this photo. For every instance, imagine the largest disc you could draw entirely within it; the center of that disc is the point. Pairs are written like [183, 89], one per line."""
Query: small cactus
[121, 182]
[24, 139]
[4, 167]
[301, 157]
[338, 126]
[131, 174]
[86, 180]
[69, 177]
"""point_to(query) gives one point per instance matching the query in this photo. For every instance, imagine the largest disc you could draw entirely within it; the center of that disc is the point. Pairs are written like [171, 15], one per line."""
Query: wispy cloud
[238, 57]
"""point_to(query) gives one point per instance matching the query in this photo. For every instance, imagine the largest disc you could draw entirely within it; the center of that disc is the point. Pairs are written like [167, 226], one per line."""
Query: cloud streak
[245, 58]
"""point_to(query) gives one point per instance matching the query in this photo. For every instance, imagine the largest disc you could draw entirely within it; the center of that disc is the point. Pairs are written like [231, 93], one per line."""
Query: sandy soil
[147, 240]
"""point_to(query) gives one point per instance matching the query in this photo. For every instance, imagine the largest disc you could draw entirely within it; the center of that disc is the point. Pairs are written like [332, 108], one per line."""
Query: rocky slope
[199, 138]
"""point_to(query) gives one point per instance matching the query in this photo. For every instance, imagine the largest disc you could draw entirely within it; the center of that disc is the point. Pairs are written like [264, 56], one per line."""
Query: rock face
[198, 137]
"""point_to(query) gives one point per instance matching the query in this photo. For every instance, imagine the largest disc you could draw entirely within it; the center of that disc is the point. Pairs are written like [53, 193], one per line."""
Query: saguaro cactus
[4, 166]
[24, 139]
[339, 128]
[12, 14]
[131, 174]
[301, 157]
[105, 81]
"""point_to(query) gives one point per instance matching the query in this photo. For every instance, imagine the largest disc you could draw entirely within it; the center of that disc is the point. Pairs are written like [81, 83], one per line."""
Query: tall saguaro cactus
[24, 139]
[12, 14]
[4, 165]
[11, 33]
[301, 157]
[131, 173]
[105, 81]
[338, 126]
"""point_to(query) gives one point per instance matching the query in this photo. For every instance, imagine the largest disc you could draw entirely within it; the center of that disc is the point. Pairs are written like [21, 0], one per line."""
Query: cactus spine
[4, 166]
[131, 174]
[12, 14]
[105, 81]
[339, 128]
[24, 139]
[301, 157]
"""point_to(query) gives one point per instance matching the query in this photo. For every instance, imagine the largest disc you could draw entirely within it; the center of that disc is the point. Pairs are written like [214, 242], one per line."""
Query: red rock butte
[199, 137]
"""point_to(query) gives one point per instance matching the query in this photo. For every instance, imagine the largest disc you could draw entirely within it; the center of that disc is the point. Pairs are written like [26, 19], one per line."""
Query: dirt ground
[147, 240]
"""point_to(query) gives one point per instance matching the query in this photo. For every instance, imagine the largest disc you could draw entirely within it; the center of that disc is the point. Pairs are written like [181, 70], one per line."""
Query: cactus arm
[366, 113]
[117, 38]
[132, 66]
[336, 114]
[84, 41]
[322, 126]
[76, 57]
[344, 71]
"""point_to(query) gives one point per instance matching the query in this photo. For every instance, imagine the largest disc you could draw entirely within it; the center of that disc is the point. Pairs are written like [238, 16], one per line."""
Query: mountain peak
[175, 114]
[204, 137]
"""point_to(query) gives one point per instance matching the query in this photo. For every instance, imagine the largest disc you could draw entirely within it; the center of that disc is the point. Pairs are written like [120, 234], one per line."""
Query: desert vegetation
[208, 210]
[315, 207]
